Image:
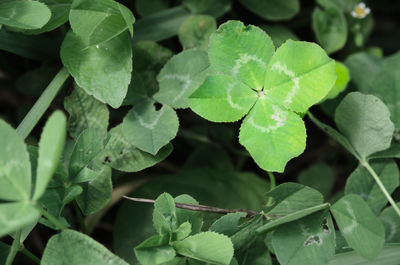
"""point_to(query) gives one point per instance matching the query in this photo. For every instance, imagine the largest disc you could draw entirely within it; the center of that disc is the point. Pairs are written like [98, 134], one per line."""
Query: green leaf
[146, 8]
[154, 250]
[98, 21]
[66, 248]
[15, 168]
[195, 218]
[392, 152]
[196, 30]
[85, 112]
[279, 34]
[24, 14]
[120, 154]
[310, 240]
[343, 77]
[318, 176]
[102, 70]
[215, 8]
[149, 129]
[363, 231]
[181, 76]
[207, 246]
[228, 224]
[330, 28]
[222, 99]
[361, 182]
[389, 255]
[4, 250]
[273, 9]
[15, 215]
[242, 52]
[391, 221]
[282, 132]
[51, 146]
[365, 121]
[291, 197]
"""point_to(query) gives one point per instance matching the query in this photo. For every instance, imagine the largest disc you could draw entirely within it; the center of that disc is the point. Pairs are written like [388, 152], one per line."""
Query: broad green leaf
[102, 70]
[392, 152]
[318, 176]
[310, 240]
[279, 34]
[164, 215]
[98, 21]
[363, 231]
[150, 129]
[330, 28]
[24, 14]
[390, 255]
[272, 135]
[15, 168]
[273, 9]
[391, 221]
[67, 248]
[195, 218]
[120, 154]
[206, 246]
[242, 52]
[291, 197]
[361, 182]
[294, 83]
[85, 112]
[148, 59]
[222, 99]
[365, 121]
[181, 76]
[280, 220]
[97, 192]
[15, 215]
[154, 250]
[196, 30]
[150, 7]
[343, 78]
[51, 146]
[256, 254]
[137, 92]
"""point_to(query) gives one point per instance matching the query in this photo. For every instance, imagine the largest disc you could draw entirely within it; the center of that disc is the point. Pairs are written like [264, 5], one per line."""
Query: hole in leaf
[157, 106]
[325, 226]
[107, 159]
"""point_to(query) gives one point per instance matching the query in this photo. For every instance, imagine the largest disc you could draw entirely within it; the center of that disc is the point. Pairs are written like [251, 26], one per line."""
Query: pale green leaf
[67, 248]
[85, 112]
[242, 52]
[120, 154]
[102, 70]
[318, 176]
[361, 182]
[272, 135]
[15, 168]
[391, 221]
[343, 77]
[15, 215]
[363, 231]
[273, 9]
[181, 76]
[296, 83]
[196, 30]
[365, 121]
[207, 246]
[97, 21]
[222, 99]
[310, 240]
[51, 146]
[154, 250]
[24, 14]
[149, 129]
[164, 215]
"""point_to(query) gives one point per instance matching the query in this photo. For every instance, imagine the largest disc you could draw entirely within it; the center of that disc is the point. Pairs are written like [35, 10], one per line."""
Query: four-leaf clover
[270, 87]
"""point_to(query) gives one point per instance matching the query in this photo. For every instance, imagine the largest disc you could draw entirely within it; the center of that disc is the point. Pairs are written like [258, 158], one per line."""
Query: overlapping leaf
[270, 88]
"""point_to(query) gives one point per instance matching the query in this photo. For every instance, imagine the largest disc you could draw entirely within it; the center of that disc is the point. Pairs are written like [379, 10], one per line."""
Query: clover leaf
[269, 88]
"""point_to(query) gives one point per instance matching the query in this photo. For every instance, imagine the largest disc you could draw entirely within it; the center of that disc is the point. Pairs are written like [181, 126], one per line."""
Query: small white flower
[360, 11]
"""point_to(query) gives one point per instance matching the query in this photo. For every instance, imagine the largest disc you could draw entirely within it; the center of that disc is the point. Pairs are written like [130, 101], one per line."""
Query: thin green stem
[51, 218]
[30, 255]
[14, 248]
[42, 104]
[367, 166]
[272, 185]
[80, 217]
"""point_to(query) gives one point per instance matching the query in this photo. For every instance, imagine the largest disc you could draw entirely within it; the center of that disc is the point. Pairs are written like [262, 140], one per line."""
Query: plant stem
[14, 248]
[41, 105]
[80, 217]
[272, 185]
[378, 181]
[51, 218]
[202, 208]
[30, 255]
